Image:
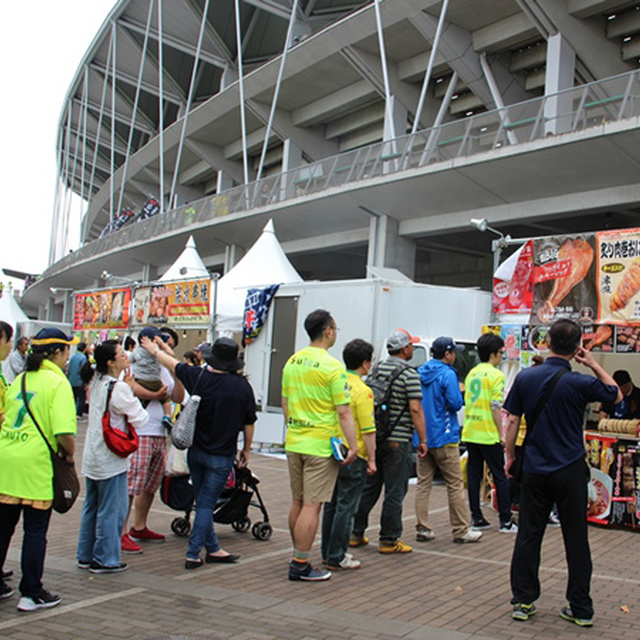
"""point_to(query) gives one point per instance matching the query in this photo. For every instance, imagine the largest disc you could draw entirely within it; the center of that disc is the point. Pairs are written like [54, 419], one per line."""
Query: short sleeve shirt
[557, 437]
[404, 388]
[362, 410]
[25, 461]
[314, 384]
[483, 386]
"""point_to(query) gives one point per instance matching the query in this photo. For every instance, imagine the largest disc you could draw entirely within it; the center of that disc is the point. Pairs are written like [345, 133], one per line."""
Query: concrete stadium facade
[371, 132]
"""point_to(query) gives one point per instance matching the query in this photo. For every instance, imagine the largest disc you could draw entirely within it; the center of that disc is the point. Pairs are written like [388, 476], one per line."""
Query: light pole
[498, 245]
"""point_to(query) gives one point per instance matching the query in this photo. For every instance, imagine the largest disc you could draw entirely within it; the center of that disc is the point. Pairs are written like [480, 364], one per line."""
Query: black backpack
[380, 384]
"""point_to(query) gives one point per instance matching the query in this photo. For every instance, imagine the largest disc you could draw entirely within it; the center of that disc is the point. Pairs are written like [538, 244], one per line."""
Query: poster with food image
[564, 279]
[105, 309]
[625, 473]
[600, 457]
[598, 338]
[534, 338]
[513, 282]
[512, 336]
[618, 276]
[182, 303]
[627, 339]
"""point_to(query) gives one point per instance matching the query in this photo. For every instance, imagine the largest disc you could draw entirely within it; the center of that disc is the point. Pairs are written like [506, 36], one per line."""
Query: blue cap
[51, 335]
[151, 333]
[443, 344]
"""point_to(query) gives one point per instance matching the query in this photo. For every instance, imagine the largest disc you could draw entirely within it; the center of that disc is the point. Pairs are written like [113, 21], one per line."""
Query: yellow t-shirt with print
[484, 384]
[314, 383]
[25, 461]
[361, 400]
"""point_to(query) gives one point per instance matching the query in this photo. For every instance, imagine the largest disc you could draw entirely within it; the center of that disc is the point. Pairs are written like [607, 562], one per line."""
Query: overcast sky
[41, 45]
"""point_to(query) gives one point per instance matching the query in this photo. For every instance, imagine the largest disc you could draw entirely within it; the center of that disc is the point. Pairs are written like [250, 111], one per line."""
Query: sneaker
[5, 590]
[394, 547]
[145, 535]
[348, 562]
[567, 614]
[45, 600]
[81, 564]
[470, 536]
[358, 541]
[307, 573]
[480, 525]
[99, 568]
[552, 520]
[127, 545]
[508, 527]
[425, 535]
[523, 612]
[167, 422]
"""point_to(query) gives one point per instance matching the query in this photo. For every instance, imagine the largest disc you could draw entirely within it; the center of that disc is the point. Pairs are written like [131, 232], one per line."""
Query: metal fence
[583, 107]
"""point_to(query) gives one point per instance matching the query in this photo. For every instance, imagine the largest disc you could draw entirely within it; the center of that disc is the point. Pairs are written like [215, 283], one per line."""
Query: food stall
[101, 314]
[593, 278]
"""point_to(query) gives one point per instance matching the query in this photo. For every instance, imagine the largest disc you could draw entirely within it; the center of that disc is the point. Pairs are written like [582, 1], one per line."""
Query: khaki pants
[447, 459]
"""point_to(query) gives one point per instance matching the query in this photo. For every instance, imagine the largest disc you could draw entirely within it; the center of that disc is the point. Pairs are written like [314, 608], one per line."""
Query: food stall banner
[513, 282]
[564, 279]
[105, 309]
[618, 276]
[180, 303]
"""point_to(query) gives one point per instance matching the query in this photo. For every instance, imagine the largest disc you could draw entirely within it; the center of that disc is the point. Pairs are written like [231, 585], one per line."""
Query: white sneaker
[425, 535]
[348, 562]
[470, 536]
[508, 527]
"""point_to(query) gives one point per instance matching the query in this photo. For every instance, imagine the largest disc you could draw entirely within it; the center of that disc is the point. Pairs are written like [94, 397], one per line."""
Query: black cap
[223, 355]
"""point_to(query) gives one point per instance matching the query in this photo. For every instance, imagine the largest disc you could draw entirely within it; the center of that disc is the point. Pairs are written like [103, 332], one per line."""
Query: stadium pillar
[387, 248]
[559, 75]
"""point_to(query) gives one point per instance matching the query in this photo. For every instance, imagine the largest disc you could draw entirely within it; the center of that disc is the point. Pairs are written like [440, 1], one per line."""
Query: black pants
[81, 401]
[34, 543]
[568, 489]
[493, 454]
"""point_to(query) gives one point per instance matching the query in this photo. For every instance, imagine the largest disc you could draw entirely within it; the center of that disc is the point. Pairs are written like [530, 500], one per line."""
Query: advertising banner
[618, 276]
[564, 279]
[106, 309]
[180, 303]
[513, 283]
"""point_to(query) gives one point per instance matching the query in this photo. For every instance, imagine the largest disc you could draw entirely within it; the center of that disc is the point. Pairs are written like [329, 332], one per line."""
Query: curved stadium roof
[155, 108]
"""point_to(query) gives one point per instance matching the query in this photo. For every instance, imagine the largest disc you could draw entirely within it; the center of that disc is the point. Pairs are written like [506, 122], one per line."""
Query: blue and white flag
[256, 308]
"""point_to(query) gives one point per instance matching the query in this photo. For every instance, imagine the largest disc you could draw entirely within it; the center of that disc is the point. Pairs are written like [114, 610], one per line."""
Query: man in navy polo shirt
[554, 468]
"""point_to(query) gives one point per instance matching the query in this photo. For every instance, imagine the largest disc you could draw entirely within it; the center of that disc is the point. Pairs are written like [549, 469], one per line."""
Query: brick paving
[441, 591]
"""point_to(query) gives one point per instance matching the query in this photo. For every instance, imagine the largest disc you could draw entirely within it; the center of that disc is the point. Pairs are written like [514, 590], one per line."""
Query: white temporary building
[188, 266]
[263, 265]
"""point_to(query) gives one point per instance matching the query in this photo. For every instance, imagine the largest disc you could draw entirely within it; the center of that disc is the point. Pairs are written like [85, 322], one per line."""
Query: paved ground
[441, 591]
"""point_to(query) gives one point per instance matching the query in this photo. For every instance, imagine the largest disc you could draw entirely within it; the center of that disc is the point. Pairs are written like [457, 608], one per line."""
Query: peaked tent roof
[188, 265]
[10, 310]
[264, 264]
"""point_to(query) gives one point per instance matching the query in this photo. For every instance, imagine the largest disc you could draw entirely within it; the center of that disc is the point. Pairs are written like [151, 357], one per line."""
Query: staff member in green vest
[483, 397]
[26, 473]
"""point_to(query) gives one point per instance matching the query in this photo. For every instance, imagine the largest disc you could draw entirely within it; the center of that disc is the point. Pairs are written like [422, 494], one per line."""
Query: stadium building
[370, 132]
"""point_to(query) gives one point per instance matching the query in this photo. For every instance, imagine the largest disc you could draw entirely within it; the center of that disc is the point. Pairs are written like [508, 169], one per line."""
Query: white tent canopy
[10, 311]
[263, 265]
[189, 265]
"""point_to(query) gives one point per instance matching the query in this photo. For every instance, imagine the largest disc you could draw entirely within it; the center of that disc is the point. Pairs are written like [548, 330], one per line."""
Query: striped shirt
[405, 387]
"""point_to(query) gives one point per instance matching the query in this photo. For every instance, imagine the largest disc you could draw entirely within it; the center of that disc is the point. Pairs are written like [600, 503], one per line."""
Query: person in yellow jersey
[26, 474]
[483, 397]
[315, 401]
[338, 514]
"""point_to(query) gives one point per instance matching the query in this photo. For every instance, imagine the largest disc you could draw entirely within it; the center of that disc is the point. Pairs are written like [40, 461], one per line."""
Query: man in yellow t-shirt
[315, 401]
[483, 397]
[338, 514]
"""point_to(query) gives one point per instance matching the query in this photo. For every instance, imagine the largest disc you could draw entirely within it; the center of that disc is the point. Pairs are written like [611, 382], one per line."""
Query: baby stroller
[240, 493]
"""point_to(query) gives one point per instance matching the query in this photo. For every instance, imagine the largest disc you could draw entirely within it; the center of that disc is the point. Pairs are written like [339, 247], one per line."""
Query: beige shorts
[312, 478]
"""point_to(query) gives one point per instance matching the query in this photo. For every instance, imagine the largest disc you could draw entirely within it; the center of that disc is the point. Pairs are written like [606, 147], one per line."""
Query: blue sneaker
[167, 422]
[307, 573]
[567, 614]
[340, 450]
[523, 612]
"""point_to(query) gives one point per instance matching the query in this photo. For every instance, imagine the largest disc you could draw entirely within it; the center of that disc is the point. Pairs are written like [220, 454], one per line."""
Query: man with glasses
[482, 431]
[315, 401]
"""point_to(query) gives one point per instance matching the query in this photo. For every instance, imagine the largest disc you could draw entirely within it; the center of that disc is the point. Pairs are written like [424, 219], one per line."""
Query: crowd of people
[347, 445]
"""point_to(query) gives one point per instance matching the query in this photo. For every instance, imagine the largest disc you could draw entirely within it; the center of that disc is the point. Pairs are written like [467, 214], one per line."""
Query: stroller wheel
[242, 525]
[181, 527]
[262, 530]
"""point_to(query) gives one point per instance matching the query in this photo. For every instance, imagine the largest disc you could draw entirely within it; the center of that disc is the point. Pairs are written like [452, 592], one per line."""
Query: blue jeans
[35, 523]
[393, 460]
[103, 514]
[337, 518]
[209, 474]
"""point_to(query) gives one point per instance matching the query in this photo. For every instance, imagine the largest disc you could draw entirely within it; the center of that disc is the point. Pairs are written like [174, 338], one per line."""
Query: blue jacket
[76, 362]
[441, 400]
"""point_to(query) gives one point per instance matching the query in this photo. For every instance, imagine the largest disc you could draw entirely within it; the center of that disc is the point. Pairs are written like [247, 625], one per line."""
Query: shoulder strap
[23, 388]
[112, 384]
[195, 386]
[543, 400]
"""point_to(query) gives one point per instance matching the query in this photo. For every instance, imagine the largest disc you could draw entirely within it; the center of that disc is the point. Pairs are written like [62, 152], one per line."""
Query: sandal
[193, 564]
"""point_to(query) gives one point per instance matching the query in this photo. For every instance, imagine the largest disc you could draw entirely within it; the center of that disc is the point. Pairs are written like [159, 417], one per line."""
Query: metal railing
[583, 107]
